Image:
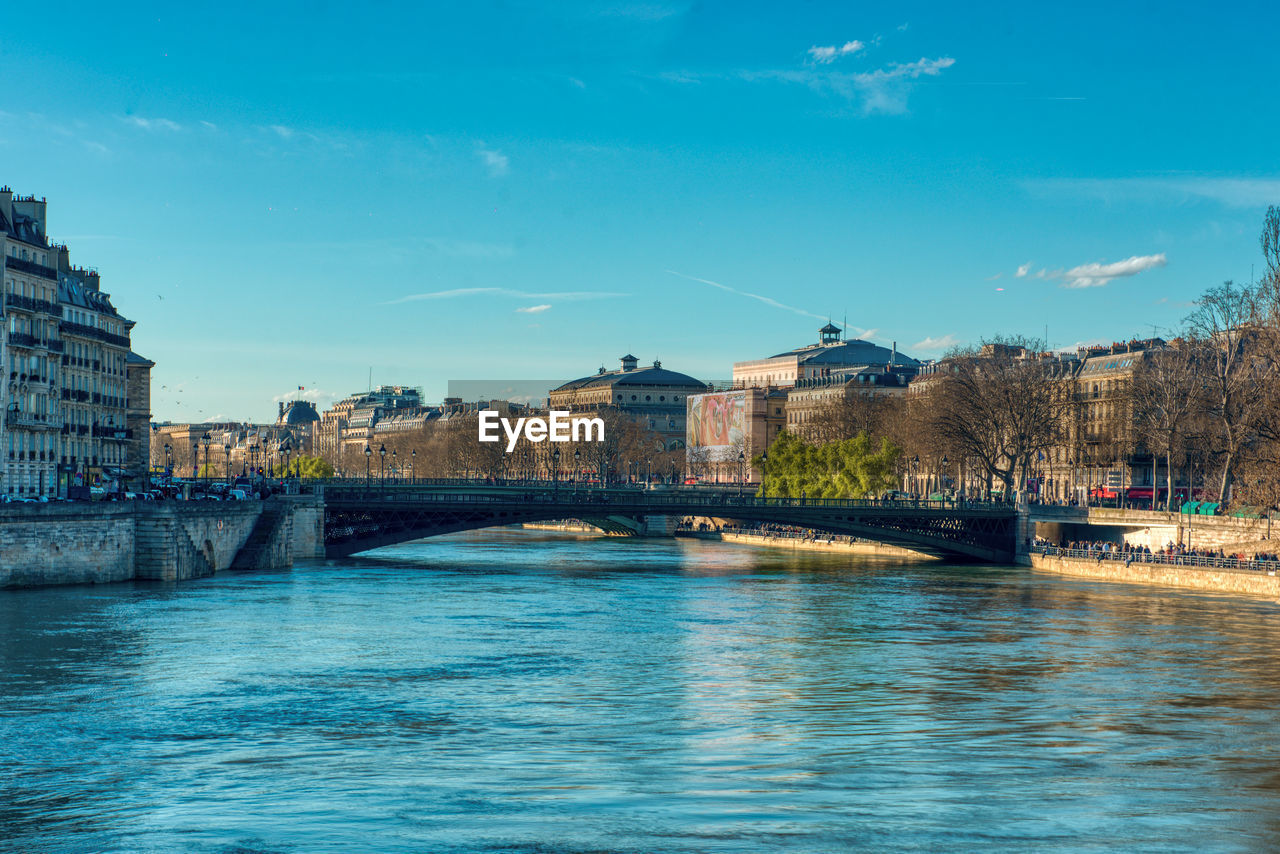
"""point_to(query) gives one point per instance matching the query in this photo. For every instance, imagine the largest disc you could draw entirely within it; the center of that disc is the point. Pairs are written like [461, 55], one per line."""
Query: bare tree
[997, 407]
[1165, 395]
[1228, 332]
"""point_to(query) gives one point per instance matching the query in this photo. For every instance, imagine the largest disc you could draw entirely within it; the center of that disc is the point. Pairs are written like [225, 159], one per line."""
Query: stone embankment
[84, 542]
[833, 543]
[1256, 582]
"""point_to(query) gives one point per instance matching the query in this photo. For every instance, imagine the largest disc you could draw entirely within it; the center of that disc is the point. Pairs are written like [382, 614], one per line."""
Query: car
[237, 495]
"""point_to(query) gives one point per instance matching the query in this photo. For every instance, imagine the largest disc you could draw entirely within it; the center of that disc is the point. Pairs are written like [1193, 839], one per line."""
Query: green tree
[309, 467]
[851, 468]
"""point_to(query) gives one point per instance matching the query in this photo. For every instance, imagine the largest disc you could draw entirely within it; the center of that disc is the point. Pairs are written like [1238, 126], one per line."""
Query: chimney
[894, 360]
[6, 203]
[281, 415]
[64, 259]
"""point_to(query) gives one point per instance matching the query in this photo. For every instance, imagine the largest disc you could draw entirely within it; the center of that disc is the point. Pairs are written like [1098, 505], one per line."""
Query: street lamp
[915, 476]
[742, 458]
[226, 450]
[577, 456]
[368, 455]
[206, 439]
[168, 460]
[764, 469]
[288, 452]
[413, 464]
[555, 471]
[382, 465]
[942, 477]
[395, 472]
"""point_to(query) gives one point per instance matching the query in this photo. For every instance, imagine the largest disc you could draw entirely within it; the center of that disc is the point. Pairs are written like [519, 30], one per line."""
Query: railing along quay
[1269, 565]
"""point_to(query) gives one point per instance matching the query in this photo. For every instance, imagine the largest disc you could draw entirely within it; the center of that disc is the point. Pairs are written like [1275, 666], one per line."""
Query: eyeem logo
[558, 428]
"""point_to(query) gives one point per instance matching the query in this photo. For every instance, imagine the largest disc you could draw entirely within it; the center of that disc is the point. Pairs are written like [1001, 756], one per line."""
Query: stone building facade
[64, 349]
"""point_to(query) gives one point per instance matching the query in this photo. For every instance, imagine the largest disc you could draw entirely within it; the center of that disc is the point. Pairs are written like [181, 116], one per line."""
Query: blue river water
[511, 691]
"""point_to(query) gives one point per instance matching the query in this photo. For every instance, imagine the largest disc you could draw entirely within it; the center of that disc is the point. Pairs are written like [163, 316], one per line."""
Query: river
[509, 691]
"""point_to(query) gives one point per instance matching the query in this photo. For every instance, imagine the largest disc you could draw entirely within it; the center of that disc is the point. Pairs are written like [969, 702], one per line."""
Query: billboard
[717, 421]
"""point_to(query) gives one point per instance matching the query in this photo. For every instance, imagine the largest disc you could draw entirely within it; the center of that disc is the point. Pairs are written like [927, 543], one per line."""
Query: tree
[996, 406]
[309, 467]
[1165, 395]
[1230, 336]
[851, 468]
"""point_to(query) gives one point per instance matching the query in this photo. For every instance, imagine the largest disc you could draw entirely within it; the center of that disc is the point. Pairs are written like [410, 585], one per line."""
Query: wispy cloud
[534, 309]
[495, 161]
[453, 293]
[153, 124]
[1097, 273]
[282, 131]
[1242, 191]
[884, 90]
[769, 301]
[936, 345]
[830, 53]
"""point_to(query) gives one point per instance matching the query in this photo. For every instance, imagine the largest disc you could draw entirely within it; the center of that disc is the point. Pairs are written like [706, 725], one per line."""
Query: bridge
[359, 516]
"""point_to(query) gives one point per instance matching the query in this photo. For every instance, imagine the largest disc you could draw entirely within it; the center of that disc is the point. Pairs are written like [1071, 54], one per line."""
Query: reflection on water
[517, 691]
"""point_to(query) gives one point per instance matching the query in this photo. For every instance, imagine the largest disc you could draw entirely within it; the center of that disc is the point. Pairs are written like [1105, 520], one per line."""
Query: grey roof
[853, 352]
[300, 412]
[73, 291]
[650, 376]
[134, 359]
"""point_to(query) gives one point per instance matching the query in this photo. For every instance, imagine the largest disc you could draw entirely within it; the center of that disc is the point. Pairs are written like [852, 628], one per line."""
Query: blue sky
[302, 193]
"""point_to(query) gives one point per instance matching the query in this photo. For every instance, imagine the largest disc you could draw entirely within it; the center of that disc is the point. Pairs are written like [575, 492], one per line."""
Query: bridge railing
[685, 500]
[1269, 565]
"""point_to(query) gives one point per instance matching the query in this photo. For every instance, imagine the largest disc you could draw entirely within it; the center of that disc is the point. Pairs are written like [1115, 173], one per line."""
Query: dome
[853, 352]
[656, 376]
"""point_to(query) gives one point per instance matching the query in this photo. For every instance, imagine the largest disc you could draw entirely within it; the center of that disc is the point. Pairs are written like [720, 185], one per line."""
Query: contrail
[766, 300]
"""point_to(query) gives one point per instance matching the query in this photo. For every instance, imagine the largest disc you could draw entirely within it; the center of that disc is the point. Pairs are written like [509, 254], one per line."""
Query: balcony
[22, 339]
[97, 397]
[69, 328]
[116, 433]
[80, 395]
[15, 418]
[55, 345]
[30, 267]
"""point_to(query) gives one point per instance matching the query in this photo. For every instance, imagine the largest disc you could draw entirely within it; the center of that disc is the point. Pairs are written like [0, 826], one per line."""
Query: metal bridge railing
[1268, 565]
[632, 497]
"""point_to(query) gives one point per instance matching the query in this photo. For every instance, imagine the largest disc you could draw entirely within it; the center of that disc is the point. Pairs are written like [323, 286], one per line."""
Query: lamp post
[413, 464]
[226, 450]
[742, 458]
[205, 440]
[915, 476]
[368, 455]
[555, 472]
[168, 461]
[382, 465]
[395, 472]
[764, 471]
[288, 452]
[942, 478]
[577, 457]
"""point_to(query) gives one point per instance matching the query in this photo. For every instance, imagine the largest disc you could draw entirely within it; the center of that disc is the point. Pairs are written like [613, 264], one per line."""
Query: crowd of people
[1170, 553]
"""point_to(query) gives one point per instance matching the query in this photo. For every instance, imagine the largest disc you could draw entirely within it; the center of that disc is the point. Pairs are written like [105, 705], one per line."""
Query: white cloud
[1023, 270]
[506, 292]
[282, 131]
[829, 54]
[209, 125]
[153, 124]
[1095, 275]
[936, 345]
[534, 309]
[496, 162]
[770, 301]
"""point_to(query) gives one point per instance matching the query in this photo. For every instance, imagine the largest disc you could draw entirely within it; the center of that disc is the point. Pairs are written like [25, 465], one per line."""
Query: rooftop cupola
[830, 334]
[629, 362]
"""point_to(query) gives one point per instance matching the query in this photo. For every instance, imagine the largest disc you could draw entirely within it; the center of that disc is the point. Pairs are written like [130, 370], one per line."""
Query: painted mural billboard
[718, 422]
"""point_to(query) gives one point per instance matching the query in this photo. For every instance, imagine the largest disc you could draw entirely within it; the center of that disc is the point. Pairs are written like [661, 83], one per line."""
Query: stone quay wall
[1254, 583]
[819, 544]
[83, 542]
